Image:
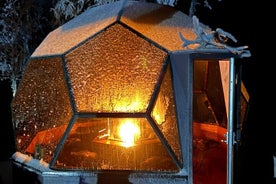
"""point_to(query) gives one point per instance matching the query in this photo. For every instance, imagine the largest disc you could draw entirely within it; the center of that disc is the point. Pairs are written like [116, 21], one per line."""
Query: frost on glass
[164, 114]
[41, 108]
[116, 71]
[113, 144]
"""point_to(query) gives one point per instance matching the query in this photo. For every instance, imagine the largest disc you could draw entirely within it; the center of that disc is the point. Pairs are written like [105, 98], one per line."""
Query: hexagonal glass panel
[113, 144]
[126, 141]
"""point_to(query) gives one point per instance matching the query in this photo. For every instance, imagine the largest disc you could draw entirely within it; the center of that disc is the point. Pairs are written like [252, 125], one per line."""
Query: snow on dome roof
[158, 23]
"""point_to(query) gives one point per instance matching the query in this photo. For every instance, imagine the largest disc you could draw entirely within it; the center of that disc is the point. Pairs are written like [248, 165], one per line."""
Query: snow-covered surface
[33, 164]
[78, 29]
[49, 176]
[41, 167]
[159, 23]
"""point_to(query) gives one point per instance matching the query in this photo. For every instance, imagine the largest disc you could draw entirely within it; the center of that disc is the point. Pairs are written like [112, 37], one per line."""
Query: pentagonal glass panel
[116, 71]
[113, 144]
[41, 108]
[164, 114]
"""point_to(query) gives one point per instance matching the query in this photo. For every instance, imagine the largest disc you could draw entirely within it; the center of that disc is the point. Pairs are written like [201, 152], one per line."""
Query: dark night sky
[241, 18]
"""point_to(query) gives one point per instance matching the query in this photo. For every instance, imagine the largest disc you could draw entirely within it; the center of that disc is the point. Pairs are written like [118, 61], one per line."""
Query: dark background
[245, 20]
[249, 21]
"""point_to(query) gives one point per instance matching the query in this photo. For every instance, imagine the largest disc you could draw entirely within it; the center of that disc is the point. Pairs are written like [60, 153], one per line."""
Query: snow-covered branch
[214, 39]
[195, 3]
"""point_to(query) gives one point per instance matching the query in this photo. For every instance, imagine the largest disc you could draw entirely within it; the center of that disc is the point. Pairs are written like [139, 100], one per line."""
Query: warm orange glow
[160, 109]
[129, 133]
[127, 104]
[159, 120]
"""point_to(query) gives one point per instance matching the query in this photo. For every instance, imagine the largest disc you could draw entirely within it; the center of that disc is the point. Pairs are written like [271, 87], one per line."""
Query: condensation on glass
[114, 72]
[108, 105]
[41, 108]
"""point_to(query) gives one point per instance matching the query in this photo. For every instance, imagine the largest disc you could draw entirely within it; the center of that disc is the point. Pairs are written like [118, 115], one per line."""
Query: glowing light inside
[129, 133]
[127, 105]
